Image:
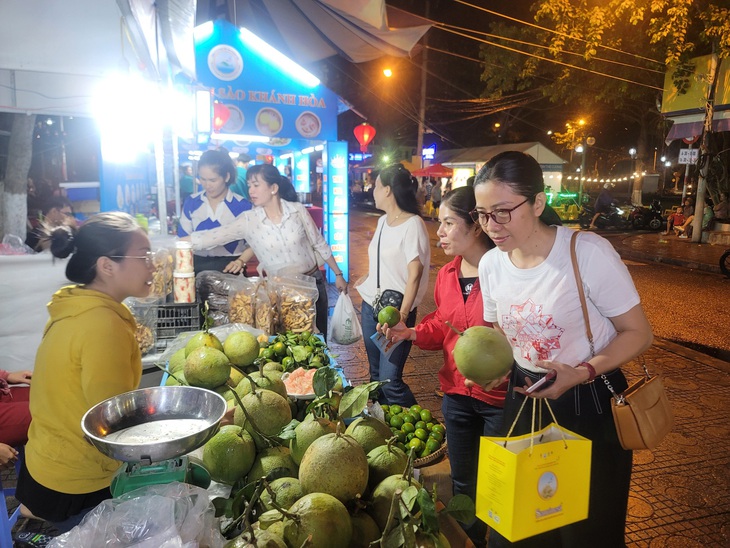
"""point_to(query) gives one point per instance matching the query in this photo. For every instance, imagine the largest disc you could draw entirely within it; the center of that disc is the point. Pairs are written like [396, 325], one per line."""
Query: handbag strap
[377, 289]
[584, 307]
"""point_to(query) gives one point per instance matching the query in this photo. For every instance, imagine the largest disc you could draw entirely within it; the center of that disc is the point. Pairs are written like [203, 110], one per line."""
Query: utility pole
[704, 148]
[422, 103]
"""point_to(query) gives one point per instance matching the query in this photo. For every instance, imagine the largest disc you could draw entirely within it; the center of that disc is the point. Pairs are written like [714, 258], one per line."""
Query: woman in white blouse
[402, 246]
[280, 232]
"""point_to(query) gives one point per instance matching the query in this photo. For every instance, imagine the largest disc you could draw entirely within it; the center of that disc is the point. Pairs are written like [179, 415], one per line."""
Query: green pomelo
[268, 519]
[229, 455]
[177, 361]
[383, 497]
[277, 528]
[206, 367]
[273, 366]
[323, 517]
[389, 315]
[266, 381]
[241, 347]
[306, 432]
[369, 432]
[483, 354]
[270, 459]
[172, 382]
[334, 464]
[364, 530]
[203, 339]
[384, 461]
[286, 492]
[268, 411]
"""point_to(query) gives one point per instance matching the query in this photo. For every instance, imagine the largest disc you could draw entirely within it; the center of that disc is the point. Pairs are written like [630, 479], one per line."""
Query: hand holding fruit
[491, 385]
[398, 332]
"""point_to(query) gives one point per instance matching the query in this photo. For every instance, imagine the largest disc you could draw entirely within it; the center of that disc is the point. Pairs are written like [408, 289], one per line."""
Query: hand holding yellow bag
[530, 484]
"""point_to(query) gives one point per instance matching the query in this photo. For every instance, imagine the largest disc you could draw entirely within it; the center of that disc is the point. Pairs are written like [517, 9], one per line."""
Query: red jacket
[433, 333]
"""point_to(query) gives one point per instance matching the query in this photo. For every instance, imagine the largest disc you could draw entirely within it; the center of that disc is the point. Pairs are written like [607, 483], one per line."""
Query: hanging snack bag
[266, 311]
[242, 301]
[296, 302]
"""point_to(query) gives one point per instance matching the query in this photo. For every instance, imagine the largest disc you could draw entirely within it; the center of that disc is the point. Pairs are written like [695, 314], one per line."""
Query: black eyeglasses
[149, 257]
[499, 216]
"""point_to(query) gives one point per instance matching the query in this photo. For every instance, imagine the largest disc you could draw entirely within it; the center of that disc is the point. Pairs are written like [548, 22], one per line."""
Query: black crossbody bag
[389, 297]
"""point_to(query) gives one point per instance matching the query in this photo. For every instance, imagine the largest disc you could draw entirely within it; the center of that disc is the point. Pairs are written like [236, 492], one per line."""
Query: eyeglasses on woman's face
[149, 257]
[499, 216]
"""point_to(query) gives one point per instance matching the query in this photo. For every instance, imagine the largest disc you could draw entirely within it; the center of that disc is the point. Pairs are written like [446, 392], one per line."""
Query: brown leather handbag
[642, 413]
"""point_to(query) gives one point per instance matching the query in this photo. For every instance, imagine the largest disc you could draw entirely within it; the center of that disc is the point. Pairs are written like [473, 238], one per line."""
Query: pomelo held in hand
[482, 354]
[389, 315]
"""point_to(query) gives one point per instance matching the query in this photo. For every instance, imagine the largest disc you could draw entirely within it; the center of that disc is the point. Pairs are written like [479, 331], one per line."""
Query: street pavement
[680, 492]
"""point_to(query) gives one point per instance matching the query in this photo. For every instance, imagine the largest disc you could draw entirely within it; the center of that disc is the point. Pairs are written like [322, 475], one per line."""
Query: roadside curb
[645, 257]
[690, 354]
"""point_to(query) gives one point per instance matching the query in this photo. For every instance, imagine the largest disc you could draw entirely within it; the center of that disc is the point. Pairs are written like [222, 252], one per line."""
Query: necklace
[396, 218]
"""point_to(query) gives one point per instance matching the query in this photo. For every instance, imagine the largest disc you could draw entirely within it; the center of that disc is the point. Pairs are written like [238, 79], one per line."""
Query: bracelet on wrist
[339, 274]
[591, 372]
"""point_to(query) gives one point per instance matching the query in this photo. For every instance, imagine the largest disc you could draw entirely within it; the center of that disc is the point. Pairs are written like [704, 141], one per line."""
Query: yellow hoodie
[88, 354]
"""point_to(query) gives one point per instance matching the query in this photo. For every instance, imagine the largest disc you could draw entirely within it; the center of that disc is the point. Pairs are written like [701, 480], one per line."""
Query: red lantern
[364, 133]
[221, 113]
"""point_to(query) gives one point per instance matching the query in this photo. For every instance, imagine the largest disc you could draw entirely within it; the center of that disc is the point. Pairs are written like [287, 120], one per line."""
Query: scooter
[647, 217]
[614, 218]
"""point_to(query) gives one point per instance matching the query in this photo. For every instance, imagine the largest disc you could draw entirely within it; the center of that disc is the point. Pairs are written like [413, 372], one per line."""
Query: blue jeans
[381, 368]
[467, 420]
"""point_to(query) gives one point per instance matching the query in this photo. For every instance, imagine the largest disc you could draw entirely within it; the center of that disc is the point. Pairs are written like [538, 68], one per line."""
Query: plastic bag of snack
[296, 302]
[145, 313]
[242, 301]
[213, 287]
[162, 277]
[266, 310]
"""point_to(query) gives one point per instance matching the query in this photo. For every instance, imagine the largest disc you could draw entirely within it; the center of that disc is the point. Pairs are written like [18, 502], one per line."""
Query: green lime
[432, 444]
[438, 436]
[408, 427]
[415, 408]
[396, 409]
[421, 434]
[287, 361]
[304, 335]
[389, 315]
[420, 424]
[426, 415]
[402, 447]
[268, 353]
[424, 452]
[410, 436]
[400, 436]
[407, 417]
[396, 421]
[416, 417]
[429, 426]
[416, 444]
[279, 348]
[386, 418]
[385, 407]
[439, 428]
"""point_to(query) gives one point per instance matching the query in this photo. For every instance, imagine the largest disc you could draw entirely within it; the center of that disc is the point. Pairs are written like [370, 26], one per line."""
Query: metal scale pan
[154, 424]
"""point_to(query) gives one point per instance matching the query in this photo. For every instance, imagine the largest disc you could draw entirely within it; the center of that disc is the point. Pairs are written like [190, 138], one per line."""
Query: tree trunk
[15, 195]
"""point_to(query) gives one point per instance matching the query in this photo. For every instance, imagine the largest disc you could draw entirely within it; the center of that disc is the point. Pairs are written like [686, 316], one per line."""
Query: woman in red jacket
[469, 411]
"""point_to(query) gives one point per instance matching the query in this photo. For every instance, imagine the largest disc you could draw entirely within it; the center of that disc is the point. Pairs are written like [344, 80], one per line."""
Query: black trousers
[585, 410]
[322, 303]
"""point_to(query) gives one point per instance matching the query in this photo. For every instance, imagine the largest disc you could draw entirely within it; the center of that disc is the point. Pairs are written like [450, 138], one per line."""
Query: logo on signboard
[225, 63]
[338, 162]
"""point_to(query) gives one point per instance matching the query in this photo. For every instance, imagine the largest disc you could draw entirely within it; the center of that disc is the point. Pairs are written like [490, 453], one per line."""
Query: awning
[691, 125]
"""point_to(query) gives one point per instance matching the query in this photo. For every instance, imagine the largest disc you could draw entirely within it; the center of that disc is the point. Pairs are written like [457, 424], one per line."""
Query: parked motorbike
[647, 218]
[614, 218]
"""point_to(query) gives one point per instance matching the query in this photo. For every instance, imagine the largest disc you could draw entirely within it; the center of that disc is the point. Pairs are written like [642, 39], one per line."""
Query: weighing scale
[151, 430]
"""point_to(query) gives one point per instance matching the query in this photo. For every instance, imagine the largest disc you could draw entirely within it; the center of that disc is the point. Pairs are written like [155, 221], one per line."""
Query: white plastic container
[184, 287]
[184, 257]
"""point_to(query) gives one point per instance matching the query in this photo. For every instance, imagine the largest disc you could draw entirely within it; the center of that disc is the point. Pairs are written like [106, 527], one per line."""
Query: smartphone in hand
[543, 382]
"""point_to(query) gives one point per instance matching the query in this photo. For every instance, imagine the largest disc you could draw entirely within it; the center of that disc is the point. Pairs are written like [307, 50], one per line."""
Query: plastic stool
[8, 521]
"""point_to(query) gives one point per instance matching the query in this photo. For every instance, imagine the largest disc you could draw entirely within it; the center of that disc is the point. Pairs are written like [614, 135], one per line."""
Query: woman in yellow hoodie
[88, 354]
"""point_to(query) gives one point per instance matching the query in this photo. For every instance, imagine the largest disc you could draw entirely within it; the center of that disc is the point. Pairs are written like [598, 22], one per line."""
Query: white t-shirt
[539, 308]
[399, 245]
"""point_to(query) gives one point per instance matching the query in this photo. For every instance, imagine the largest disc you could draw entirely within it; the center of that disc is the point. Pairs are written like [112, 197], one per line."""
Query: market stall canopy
[311, 30]
[54, 54]
[434, 170]
[481, 155]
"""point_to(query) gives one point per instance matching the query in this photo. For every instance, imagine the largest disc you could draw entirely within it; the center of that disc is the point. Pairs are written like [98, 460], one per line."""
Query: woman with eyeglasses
[88, 354]
[470, 412]
[530, 293]
[399, 257]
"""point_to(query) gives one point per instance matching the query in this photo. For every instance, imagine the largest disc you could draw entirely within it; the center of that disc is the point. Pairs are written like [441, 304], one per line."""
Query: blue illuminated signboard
[335, 205]
[429, 153]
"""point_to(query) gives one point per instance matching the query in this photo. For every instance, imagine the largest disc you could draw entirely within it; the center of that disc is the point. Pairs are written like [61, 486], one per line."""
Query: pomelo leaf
[324, 380]
[429, 518]
[461, 508]
[355, 401]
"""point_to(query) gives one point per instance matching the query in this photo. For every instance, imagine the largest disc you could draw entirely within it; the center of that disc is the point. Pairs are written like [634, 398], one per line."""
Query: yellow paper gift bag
[525, 488]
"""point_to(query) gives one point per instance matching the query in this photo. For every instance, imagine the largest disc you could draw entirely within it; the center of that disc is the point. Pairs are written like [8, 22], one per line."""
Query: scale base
[133, 475]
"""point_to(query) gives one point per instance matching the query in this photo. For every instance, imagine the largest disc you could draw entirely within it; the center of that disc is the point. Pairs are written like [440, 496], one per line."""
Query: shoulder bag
[389, 297]
[642, 413]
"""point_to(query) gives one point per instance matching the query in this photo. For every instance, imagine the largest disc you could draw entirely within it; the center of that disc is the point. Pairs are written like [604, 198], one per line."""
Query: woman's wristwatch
[591, 372]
